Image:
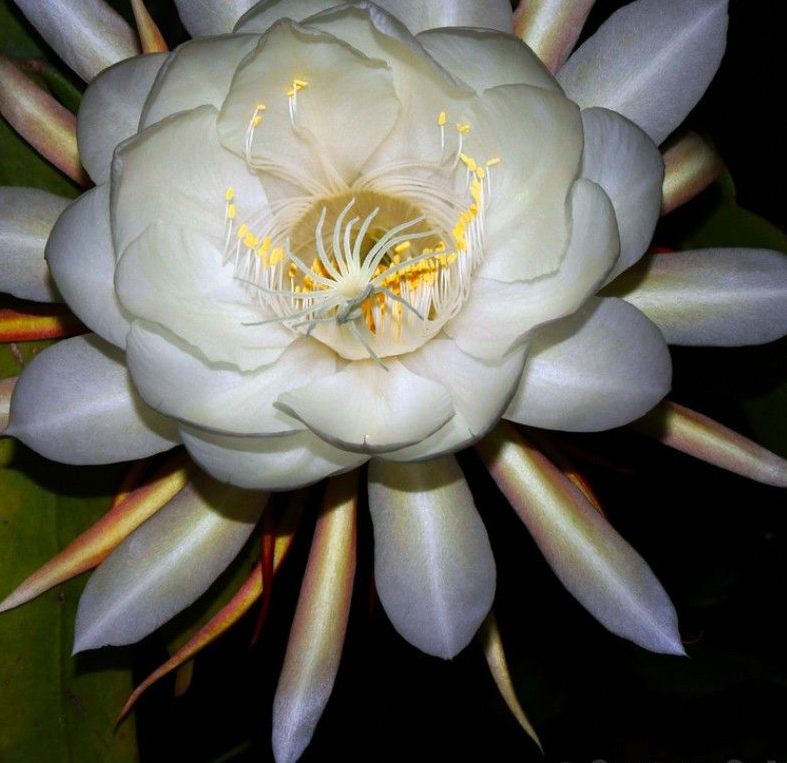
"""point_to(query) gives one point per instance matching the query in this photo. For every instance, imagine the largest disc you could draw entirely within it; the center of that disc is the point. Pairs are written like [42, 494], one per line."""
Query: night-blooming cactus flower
[322, 235]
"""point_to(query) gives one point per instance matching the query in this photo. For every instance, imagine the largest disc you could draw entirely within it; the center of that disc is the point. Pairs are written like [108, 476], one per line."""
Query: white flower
[338, 234]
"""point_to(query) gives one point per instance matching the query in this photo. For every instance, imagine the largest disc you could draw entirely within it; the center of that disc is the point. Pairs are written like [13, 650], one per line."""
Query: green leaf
[54, 707]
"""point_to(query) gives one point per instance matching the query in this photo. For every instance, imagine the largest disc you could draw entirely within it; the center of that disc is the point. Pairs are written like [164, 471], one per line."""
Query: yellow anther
[492, 162]
[277, 256]
[480, 173]
[250, 241]
[463, 127]
[256, 120]
[261, 107]
[243, 230]
[232, 211]
[441, 119]
[468, 161]
[292, 270]
[266, 244]
[403, 247]
[440, 247]
[297, 86]
[229, 194]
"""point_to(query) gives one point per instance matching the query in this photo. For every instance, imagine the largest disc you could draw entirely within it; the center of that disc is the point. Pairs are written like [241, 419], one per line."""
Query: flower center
[373, 270]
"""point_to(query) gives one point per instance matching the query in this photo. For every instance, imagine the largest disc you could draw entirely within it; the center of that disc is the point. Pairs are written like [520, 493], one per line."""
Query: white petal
[596, 565]
[628, 166]
[165, 564]
[110, 111]
[716, 297]
[420, 15]
[82, 261]
[175, 277]
[177, 381]
[602, 367]
[417, 15]
[205, 18]
[74, 403]
[284, 462]
[480, 391]
[526, 225]
[651, 61]
[370, 409]
[197, 73]
[327, 107]
[485, 59]
[26, 219]
[159, 176]
[433, 565]
[87, 34]
[498, 315]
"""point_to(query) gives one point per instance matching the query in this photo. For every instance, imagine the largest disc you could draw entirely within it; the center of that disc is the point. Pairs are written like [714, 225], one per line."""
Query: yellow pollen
[243, 230]
[277, 256]
[463, 128]
[231, 211]
[250, 241]
[469, 162]
[296, 87]
[403, 247]
[441, 119]
[492, 162]
[229, 194]
[256, 120]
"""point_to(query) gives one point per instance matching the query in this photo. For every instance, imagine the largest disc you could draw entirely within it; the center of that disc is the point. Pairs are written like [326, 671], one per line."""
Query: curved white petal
[191, 191]
[498, 315]
[526, 223]
[205, 18]
[74, 403]
[370, 409]
[110, 111]
[165, 564]
[602, 367]
[651, 61]
[433, 565]
[598, 567]
[628, 166]
[284, 462]
[480, 390]
[87, 34]
[198, 73]
[417, 15]
[718, 297]
[176, 380]
[26, 219]
[175, 277]
[82, 260]
[314, 126]
[486, 59]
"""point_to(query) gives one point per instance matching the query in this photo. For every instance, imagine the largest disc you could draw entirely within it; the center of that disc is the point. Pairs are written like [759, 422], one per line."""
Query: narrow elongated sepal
[150, 37]
[592, 561]
[230, 613]
[87, 34]
[40, 119]
[6, 389]
[27, 216]
[34, 323]
[711, 297]
[489, 636]
[702, 437]
[152, 574]
[317, 635]
[433, 564]
[96, 543]
[551, 27]
[691, 165]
